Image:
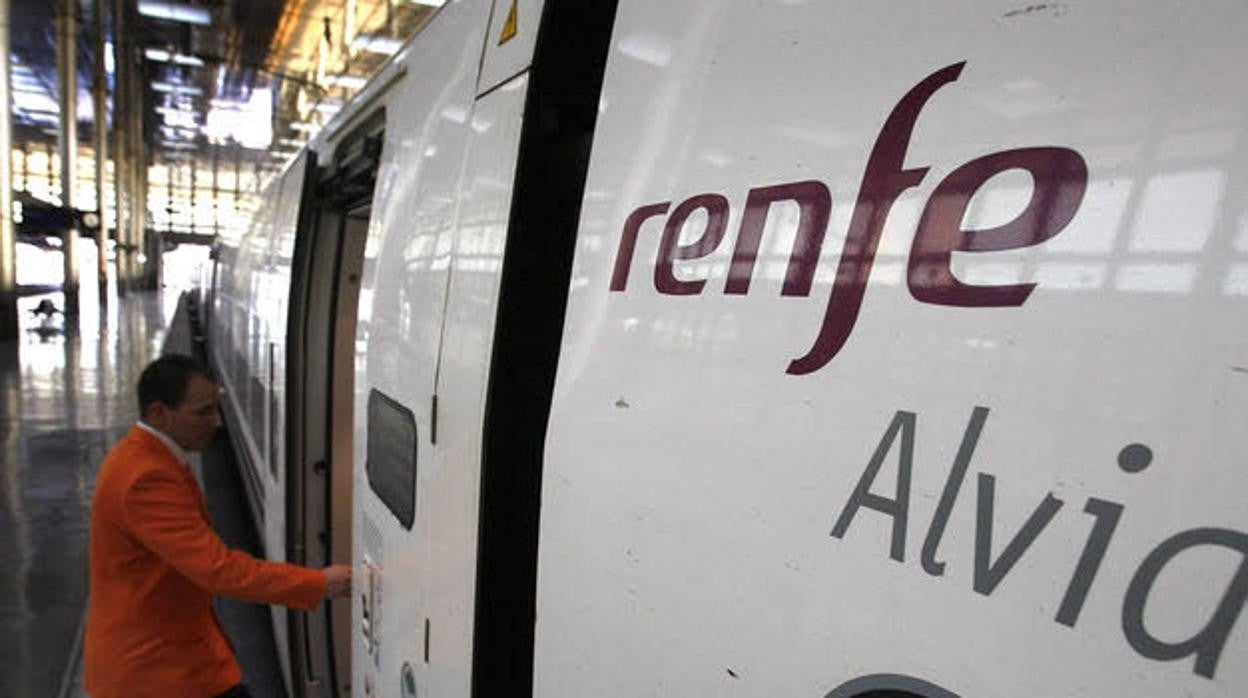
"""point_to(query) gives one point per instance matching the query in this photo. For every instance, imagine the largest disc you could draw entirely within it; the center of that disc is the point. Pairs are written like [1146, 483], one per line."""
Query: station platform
[66, 396]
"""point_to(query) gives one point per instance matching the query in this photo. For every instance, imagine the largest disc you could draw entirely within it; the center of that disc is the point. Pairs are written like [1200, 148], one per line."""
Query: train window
[391, 457]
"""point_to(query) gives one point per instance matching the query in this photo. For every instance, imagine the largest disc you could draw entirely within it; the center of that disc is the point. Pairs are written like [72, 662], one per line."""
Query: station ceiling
[303, 57]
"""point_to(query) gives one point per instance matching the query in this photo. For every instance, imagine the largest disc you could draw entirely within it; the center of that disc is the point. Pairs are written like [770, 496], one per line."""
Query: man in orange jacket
[156, 562]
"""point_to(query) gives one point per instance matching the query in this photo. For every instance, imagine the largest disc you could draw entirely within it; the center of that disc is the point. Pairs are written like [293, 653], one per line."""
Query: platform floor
[66, 396]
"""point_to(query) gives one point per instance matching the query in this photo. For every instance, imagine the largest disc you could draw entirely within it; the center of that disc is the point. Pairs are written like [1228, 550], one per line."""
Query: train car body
[787, 348]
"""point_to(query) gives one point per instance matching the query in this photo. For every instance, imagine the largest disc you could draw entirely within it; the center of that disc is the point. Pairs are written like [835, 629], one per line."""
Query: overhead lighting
[291, 142]
[372, 43]
[250, 123]
[175, 12]
[30, 100]
[179, 118]
[178, 134]
[43, 118]
[328, 108]
[177, 89]
[28, 86]
[304, 127]
[162, 56]
[429, 3]
[351, 82]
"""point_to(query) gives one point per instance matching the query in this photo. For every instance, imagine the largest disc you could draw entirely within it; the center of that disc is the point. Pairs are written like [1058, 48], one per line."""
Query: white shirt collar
[178, 452]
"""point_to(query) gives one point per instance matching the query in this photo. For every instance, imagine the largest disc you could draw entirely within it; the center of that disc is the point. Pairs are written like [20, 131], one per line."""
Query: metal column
[216, 193]
[133, 158]
[169, 194]
[238, 178]
[8, 241]
[121, 153]
[67, 138]
[100, 92]
[146, 259]
[148, 240]
[194, 157]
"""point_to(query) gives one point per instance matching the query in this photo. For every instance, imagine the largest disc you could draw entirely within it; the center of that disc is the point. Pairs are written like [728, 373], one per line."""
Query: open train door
[325, 297]
[414, 534]
[466, 276]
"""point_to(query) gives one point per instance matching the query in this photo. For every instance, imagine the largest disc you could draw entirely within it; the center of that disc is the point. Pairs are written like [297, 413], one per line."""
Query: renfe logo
[1060, 178]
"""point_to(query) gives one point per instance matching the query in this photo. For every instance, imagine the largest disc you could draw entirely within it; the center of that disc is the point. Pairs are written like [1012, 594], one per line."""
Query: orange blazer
[155, 565]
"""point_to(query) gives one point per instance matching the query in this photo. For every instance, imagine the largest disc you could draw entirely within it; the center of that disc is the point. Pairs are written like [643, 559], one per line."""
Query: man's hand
[337, 581]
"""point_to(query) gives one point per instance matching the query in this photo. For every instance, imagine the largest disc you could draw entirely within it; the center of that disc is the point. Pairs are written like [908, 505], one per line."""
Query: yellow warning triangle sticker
[509, 27]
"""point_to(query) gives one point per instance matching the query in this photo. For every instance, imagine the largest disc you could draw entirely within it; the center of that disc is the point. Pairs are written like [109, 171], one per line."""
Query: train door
[328, 267]
[415, 503]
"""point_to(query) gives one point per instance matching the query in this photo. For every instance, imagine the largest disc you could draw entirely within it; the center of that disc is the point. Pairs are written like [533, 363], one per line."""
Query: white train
[802, 348]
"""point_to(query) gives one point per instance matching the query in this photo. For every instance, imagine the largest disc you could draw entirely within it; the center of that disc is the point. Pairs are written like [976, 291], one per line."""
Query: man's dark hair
[165, 380]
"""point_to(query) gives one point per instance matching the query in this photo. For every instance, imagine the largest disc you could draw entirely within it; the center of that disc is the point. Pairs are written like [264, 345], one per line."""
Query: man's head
[178, 397]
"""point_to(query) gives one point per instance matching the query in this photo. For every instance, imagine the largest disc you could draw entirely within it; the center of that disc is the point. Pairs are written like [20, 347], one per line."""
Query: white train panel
[509, 42]
[451, 490]
[272, 306]
[904, 350]
[433, 131]
[252, 300]
[780, 460]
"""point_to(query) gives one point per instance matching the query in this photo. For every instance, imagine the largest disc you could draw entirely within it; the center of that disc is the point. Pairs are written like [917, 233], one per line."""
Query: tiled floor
[66, 395]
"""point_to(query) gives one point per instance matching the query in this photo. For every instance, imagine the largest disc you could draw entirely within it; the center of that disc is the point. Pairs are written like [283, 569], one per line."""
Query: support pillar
[169, 208]
[194, 190]
[8, 240]
[216, 193]
[238, 178]
[100, 93]
[137, 256]
[134, 157]
[121, 151]
[146, 256]
[67, 138]
[348, 34]
[148, 240]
